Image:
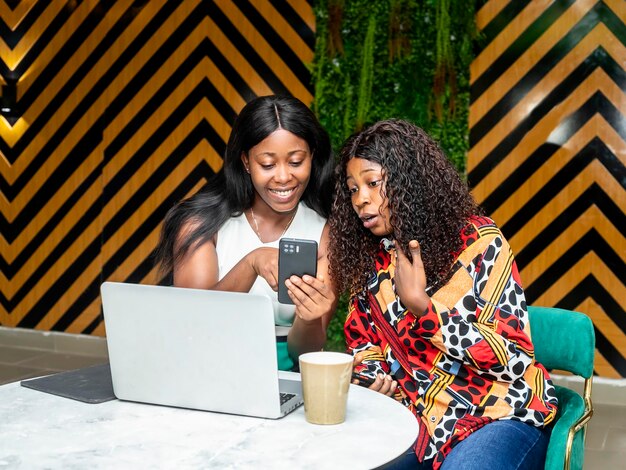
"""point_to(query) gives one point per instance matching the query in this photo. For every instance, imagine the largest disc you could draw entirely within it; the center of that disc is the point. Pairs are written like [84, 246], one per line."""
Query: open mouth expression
[365, 181]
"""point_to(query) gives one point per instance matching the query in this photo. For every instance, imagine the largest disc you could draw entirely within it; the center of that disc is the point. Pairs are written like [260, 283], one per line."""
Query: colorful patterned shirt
[468, 359]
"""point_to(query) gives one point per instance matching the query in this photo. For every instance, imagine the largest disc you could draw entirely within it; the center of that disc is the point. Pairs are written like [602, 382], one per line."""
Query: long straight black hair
[230, 192]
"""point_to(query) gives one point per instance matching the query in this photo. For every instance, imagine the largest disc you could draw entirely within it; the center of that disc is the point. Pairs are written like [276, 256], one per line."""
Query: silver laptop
[190, 348]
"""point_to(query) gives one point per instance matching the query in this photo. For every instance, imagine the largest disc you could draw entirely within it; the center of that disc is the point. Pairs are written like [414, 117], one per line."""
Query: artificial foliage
[384, 59]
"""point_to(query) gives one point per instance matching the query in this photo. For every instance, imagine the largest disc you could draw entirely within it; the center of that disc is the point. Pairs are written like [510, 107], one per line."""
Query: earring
[247, 170]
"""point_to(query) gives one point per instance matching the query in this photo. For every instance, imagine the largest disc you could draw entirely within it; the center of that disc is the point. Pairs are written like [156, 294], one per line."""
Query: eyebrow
[367, 170]
[273, 154]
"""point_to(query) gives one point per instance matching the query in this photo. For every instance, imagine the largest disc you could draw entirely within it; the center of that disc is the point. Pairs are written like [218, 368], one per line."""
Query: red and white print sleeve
[362, 340]
[479, 317]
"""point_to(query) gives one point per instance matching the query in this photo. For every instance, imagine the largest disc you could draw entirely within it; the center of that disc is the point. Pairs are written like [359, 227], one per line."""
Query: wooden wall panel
[548, 153]
[125, 108]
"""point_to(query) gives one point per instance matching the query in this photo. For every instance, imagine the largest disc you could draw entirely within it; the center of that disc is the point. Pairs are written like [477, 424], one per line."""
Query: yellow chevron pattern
[548, 153]
[123, 108]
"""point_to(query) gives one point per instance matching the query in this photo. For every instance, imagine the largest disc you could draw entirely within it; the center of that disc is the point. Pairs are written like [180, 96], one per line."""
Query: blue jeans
[501, 445]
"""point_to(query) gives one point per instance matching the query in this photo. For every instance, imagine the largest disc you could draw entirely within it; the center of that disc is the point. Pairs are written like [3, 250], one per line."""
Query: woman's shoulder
[233, 228]
[235, 239]
[234, 219]
[480, 227]
[481, 221]
[306, 224]
[307, 217]
[477, 227]
[309, 214]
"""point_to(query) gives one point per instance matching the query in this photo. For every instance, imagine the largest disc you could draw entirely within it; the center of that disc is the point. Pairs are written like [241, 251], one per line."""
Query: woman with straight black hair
[275, 183]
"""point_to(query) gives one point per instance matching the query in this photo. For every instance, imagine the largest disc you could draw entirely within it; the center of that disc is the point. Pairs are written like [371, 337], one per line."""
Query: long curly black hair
[428, 202]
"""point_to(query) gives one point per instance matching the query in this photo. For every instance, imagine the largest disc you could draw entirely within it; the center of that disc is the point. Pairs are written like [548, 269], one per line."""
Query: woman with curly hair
[437, 315]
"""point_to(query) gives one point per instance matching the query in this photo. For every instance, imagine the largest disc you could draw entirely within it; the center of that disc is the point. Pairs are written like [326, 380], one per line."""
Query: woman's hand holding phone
[383, 383]
[297, 280]
[311, 296]
[362, 380]
[296, 258]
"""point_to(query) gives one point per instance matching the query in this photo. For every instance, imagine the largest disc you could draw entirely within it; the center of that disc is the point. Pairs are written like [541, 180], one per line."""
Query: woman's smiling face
[280, 169]
[365, 181]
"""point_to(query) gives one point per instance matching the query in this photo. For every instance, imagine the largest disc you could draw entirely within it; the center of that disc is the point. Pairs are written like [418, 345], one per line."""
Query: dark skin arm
[410, 282]
[314, 298]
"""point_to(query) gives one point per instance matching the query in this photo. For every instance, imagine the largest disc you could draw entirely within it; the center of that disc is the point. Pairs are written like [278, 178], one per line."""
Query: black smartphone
[363, 380]
[296, 256]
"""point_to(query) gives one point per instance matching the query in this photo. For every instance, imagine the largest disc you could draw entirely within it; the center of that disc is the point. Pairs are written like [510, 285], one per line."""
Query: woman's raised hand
[410, 279]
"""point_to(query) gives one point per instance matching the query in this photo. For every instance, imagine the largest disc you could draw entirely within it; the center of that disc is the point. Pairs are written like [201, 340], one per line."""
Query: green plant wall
[385, 59]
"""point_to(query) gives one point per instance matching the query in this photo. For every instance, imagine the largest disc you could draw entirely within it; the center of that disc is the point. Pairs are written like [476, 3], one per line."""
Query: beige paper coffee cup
[325, 385]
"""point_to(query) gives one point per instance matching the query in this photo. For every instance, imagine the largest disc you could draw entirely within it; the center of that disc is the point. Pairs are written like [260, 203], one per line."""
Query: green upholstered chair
[565, 340]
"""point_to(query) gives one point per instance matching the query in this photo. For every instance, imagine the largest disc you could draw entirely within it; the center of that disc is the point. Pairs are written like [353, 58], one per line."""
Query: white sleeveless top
[237, 238]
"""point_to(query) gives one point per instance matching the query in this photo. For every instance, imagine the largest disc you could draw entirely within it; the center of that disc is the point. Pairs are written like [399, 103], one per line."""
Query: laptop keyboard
[285, 397]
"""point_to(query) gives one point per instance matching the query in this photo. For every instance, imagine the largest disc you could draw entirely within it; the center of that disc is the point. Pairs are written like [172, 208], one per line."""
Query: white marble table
[39, 430]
